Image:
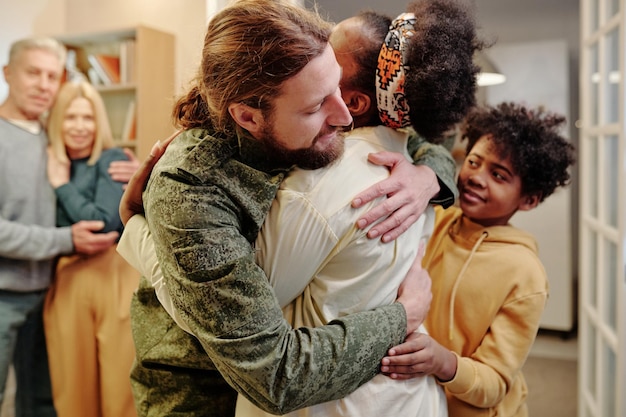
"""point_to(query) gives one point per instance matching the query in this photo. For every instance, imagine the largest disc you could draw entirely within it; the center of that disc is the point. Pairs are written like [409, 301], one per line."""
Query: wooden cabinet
[145, 87]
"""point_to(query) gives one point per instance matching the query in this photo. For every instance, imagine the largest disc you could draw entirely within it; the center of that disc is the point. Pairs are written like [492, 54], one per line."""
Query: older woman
[86, 314]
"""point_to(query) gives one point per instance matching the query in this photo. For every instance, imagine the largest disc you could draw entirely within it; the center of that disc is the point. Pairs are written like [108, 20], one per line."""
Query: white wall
[186, 19]
[19, 19]
[183, 18]
[214, 6]
[537, 75]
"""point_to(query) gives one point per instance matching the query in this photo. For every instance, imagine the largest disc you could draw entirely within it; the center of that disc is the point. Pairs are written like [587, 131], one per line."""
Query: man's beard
[306, 158]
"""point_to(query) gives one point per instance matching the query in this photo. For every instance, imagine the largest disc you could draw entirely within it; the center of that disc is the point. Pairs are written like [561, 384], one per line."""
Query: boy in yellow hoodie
[489, 286]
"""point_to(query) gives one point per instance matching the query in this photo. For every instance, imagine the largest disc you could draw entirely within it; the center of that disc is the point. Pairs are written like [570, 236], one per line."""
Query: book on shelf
[107, 67]
[127, 61]
[129, 131]
[72, 73]
[93, 77]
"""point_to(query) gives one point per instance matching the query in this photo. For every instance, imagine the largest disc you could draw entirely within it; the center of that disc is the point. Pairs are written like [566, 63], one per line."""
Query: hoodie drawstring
[458, 280]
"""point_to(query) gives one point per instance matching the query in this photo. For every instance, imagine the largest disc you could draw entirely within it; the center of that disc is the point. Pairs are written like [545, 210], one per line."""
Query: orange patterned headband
[392, 105]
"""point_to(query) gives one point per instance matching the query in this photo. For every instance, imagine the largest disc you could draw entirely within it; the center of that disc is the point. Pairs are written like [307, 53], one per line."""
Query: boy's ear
[247, 117]
[528, 202]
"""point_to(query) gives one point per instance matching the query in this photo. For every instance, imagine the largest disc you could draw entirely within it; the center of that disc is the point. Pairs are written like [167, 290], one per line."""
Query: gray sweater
[28, 236]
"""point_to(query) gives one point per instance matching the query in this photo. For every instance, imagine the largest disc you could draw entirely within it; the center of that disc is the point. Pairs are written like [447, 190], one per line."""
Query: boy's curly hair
[531, 140]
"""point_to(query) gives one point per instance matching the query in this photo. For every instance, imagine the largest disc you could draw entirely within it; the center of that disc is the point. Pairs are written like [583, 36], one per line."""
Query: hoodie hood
[465, 232]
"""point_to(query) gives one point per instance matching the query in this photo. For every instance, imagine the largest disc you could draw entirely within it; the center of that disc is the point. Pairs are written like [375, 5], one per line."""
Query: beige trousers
[87, 326]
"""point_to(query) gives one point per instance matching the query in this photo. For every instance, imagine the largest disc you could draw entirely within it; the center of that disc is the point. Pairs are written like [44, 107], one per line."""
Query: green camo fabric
[205, 203]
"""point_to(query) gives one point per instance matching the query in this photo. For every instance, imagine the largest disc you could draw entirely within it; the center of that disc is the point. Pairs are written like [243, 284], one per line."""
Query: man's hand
[415, 293]
[419, 355]
[122, 171]
[87, 242]
[409, 188]
[132, 199]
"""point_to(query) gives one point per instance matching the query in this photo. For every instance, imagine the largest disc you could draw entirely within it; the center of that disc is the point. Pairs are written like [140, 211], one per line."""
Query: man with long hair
[266, 98]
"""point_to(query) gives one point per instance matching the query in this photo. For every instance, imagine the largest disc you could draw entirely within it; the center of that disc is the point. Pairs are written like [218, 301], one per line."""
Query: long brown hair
[250, 49]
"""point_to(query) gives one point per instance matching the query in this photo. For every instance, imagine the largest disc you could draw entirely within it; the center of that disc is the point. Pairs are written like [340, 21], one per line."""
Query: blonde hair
[44, 43]
[68, 92]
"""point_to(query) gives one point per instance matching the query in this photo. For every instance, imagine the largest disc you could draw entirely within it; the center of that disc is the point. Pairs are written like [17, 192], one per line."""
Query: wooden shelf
[150, 83]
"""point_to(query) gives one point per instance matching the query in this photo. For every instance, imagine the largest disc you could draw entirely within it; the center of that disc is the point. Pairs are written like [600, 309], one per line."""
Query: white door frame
[602, 163]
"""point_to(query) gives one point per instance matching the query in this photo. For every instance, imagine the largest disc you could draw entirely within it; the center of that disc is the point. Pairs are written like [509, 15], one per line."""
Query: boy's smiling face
[490, 191]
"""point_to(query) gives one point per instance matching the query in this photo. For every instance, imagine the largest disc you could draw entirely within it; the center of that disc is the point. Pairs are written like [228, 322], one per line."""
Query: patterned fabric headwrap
[393, 107]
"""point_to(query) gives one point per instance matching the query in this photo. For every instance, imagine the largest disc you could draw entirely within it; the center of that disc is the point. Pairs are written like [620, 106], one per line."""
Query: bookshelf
[142, 85]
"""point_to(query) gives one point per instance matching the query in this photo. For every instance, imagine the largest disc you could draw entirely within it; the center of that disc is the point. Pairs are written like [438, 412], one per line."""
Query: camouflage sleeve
[440, 160]
[229, 305]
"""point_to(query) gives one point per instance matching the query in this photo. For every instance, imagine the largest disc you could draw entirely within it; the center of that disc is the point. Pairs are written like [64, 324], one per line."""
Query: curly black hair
[530, 139]
[440, 85]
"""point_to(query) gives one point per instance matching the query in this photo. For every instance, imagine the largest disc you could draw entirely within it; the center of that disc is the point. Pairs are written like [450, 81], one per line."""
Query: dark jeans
[23, 343]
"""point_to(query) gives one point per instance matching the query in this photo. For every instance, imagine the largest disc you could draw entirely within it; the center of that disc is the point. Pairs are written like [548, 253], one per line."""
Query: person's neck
[73, 155]
[11, 112]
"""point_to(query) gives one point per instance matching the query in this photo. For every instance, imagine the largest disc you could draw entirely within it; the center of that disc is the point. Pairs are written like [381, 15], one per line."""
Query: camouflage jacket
[205, 203]
[438, 158]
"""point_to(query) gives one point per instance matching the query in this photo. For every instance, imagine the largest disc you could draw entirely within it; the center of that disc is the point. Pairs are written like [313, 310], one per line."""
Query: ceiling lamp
[489, 74]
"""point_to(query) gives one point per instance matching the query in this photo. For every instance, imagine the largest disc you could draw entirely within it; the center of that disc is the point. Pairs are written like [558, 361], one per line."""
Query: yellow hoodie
[489, 290]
